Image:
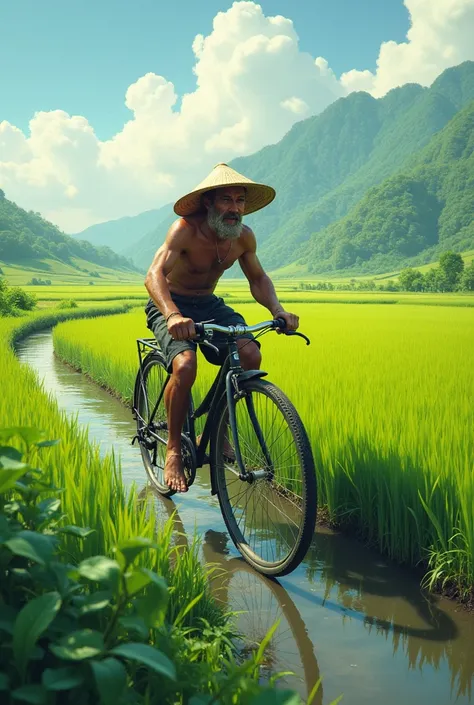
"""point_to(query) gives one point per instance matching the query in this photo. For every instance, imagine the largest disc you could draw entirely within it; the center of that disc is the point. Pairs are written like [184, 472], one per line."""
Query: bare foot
[174, 475]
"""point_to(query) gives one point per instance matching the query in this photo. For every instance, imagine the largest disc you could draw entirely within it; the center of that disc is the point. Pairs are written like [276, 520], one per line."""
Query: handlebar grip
[199, 336]
[280, 323]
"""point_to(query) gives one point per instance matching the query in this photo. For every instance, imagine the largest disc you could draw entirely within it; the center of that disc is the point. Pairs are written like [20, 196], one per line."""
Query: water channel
[346, 613]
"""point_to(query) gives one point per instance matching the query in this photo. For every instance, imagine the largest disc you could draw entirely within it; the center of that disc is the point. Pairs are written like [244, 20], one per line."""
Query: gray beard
[224, 231]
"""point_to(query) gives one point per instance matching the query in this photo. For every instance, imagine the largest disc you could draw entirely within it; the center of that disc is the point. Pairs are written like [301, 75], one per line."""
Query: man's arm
[157, 286]
[261, 286]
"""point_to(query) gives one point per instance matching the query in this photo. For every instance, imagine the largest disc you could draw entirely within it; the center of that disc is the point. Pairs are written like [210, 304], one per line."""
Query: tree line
[452, 274]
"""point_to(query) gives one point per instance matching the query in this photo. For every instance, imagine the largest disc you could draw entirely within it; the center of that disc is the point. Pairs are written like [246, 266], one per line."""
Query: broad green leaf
[135, 624]
[34, 694]
[80, 531]
[133, 547]
[101, 569]
[96, 601]
[8, 616]
[202, 699]
[12, 453]
[4, 681]
[136, 580]
[47, 444]
[79, 645]
[152, 606]
[30, 544]
[32, 621]
[148, 656]
[62, 678]
[110, 678]
[9, 477]
[49, 506]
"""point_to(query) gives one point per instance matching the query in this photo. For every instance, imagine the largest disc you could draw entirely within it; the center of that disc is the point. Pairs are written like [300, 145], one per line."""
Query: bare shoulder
[180, 230]
[248, 240]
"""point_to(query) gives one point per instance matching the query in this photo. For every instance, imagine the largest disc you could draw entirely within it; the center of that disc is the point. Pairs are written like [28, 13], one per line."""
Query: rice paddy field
[385, 392]
[237, 292]
[94, 495]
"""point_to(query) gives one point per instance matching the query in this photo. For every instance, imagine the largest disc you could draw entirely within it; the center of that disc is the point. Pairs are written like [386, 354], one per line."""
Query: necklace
[226, 254]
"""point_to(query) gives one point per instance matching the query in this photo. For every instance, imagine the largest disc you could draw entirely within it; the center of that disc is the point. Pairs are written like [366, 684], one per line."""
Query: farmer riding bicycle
[208, 238]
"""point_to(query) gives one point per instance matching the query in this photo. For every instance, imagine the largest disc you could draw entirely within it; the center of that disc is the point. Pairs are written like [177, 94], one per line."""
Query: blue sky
[81, 57]
[113, 107]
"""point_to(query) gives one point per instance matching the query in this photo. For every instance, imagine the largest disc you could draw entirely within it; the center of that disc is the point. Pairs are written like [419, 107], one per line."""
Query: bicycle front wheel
[270, 516]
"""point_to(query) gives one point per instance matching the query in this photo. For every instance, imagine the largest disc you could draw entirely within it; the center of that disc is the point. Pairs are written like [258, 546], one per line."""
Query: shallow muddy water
[346, 614]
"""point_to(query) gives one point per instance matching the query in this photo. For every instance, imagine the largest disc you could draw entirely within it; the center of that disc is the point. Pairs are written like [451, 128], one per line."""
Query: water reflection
[389, 602]
[258, 602]
[345, 612]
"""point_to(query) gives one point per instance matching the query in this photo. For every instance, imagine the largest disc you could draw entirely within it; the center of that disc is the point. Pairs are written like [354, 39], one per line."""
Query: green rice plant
[386, 396]
[94, 494]
[98, 631]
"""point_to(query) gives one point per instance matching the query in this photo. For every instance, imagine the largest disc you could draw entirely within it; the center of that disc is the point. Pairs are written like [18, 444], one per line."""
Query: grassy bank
[94, 493]
[386, 400]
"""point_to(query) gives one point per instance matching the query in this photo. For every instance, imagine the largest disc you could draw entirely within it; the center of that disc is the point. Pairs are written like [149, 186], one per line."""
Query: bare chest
[203, 258]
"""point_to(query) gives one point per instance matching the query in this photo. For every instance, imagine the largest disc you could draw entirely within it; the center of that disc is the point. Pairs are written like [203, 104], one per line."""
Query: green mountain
[321, 175]
[326, 164]
[121, 234]
[26, 236]
[421, 211]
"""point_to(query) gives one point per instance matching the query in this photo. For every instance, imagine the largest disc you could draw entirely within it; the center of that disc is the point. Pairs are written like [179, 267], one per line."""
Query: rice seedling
[386, 395]
[94, 494]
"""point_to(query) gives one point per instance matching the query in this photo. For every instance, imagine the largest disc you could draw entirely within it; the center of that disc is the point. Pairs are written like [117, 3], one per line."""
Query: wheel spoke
[155, 432]
[267, 516]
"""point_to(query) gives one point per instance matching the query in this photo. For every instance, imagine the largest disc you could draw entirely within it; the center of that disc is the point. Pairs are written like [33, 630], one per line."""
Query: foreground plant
[97, 631]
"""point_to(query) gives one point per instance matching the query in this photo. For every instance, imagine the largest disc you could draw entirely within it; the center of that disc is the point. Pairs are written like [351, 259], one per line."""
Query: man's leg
[250, 359]
[177, 402]
[250, 355]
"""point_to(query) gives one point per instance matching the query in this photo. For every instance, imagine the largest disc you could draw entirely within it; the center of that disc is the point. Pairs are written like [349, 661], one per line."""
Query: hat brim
[258, 196]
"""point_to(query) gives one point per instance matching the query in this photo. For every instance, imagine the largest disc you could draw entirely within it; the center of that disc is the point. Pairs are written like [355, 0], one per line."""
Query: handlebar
[205, 329]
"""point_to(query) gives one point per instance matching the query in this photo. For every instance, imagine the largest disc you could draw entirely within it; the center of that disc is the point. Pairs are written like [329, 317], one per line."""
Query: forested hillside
[122, 234]
[25, 235]
[392, 129]
[329, 164]
[426, 209]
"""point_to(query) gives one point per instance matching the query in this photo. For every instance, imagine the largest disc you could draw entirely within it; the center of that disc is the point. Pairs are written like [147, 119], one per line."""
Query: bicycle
[261, 463]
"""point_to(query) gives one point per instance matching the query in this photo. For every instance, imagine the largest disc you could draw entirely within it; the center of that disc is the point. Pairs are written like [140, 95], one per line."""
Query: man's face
[224, 213]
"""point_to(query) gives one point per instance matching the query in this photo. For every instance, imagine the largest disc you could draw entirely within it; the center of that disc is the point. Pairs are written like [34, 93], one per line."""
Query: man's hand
[181, 328]
[292, 320]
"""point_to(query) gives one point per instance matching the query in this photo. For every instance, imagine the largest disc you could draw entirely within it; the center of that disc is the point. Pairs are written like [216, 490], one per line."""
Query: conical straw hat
[258, 195]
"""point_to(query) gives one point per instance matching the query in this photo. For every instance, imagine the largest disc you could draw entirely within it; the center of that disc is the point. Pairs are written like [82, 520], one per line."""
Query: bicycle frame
[226, 382]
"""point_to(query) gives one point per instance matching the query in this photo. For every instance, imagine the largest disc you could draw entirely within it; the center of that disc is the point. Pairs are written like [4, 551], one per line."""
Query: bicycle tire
[305, 504]
[143, 404]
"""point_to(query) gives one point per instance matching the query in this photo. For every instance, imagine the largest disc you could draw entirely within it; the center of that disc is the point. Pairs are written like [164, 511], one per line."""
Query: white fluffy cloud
[441, 35]
[252, 84]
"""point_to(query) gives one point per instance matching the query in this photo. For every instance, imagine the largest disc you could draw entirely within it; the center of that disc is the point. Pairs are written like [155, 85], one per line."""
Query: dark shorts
[198, 308]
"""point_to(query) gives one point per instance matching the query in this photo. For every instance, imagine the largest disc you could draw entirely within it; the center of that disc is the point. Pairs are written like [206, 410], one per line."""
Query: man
[207, 239]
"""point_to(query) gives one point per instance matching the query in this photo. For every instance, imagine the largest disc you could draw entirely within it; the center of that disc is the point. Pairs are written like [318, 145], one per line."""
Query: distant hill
[27, 237]
[327, 164]
[143, 251]
[123, 233]
[410, 217]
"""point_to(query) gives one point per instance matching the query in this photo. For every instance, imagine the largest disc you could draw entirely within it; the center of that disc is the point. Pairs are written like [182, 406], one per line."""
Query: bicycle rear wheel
[271, 519]
[152, 424]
